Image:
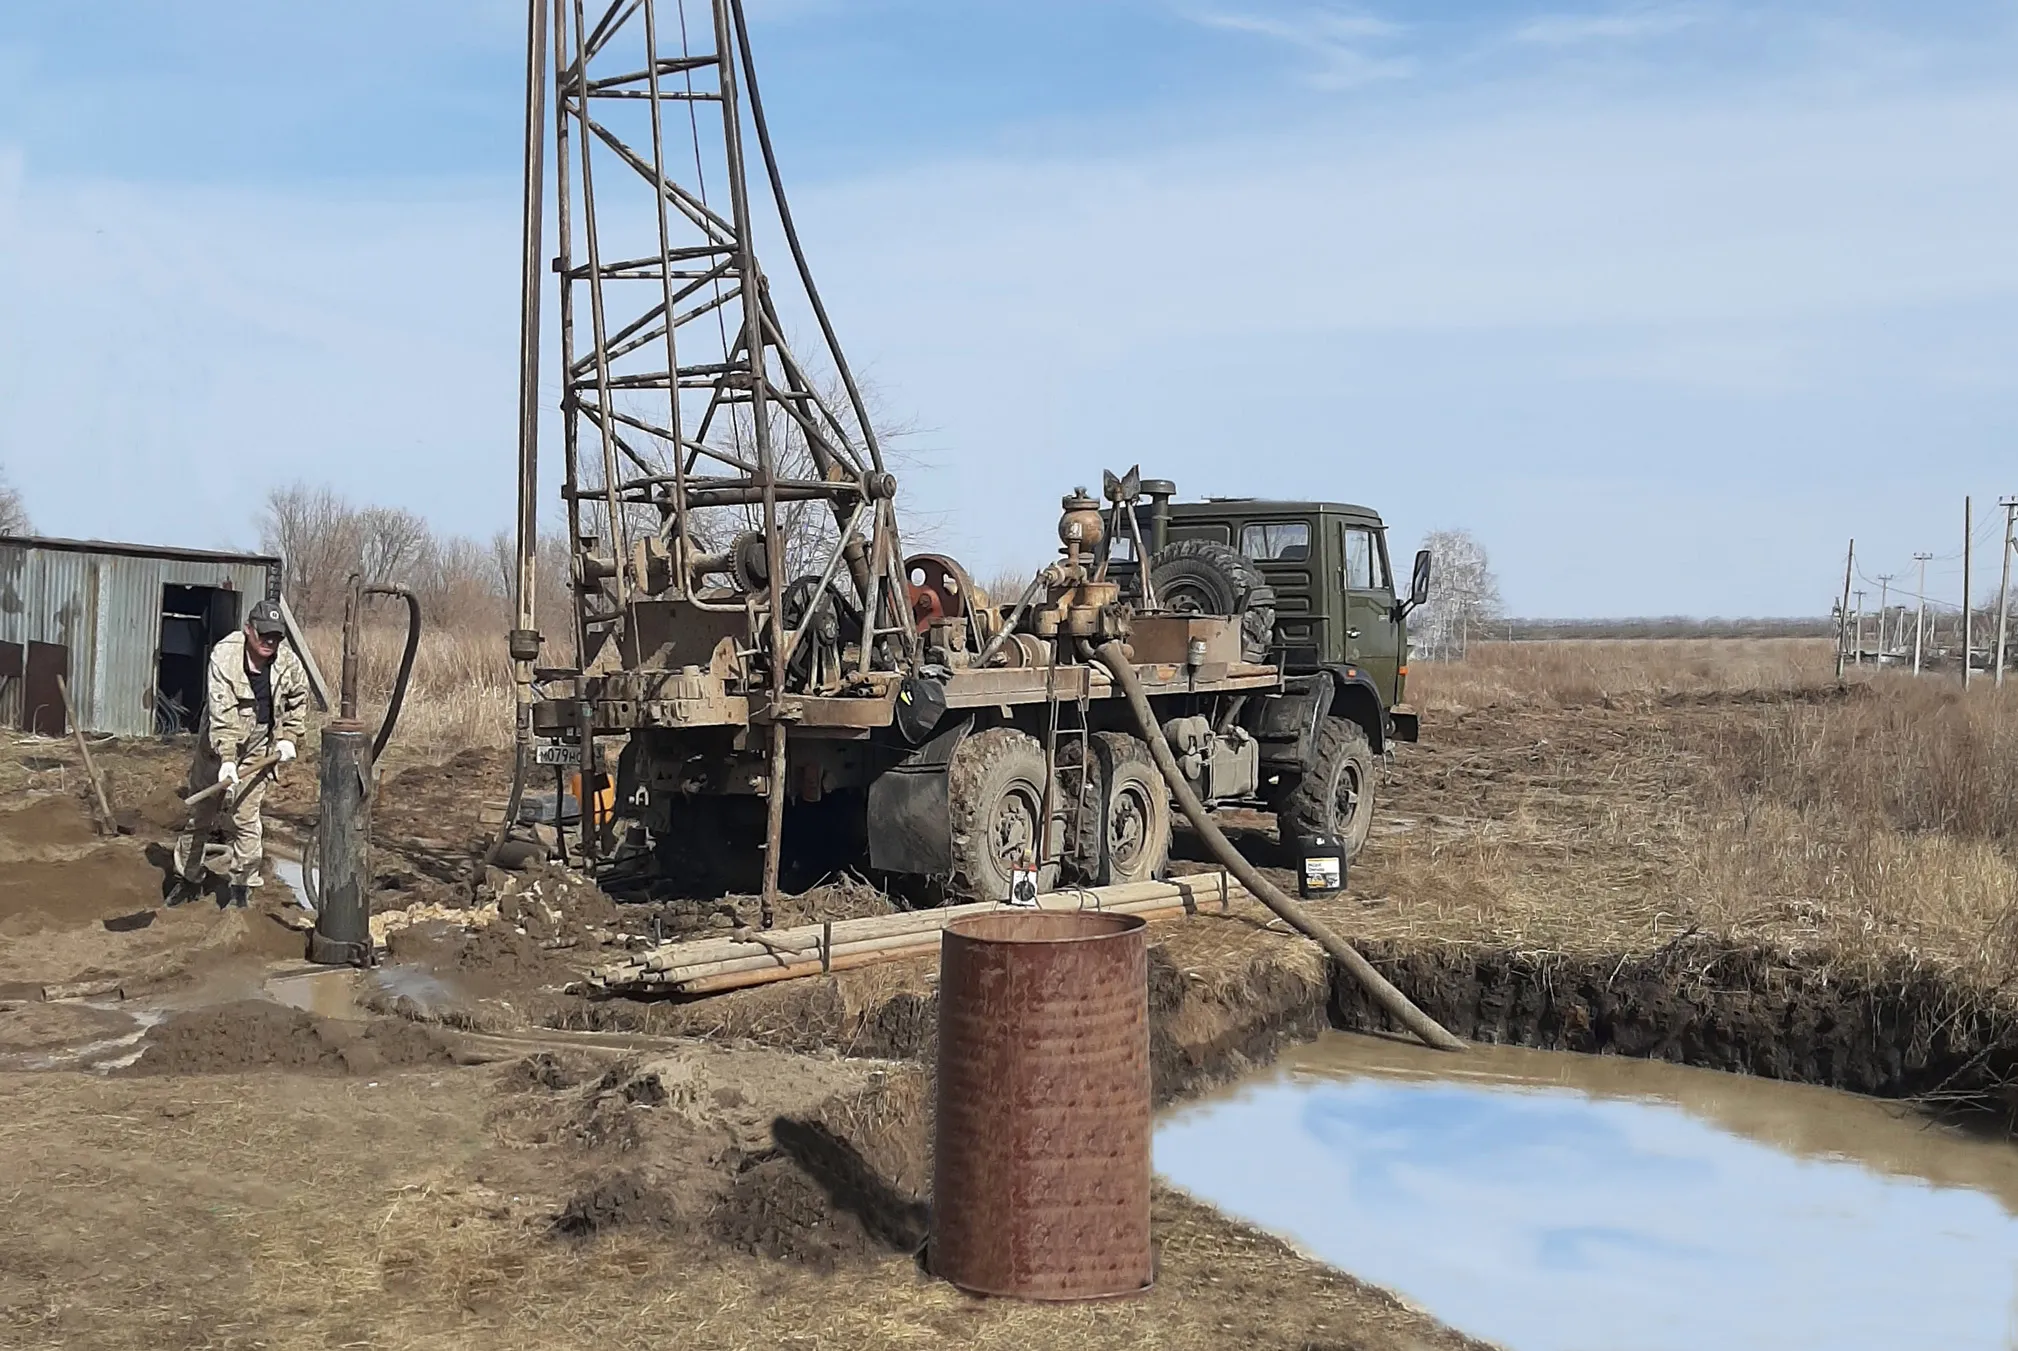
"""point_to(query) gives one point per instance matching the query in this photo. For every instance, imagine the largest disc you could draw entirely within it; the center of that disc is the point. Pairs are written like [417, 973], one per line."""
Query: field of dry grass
[1586, 797]
[461, 693]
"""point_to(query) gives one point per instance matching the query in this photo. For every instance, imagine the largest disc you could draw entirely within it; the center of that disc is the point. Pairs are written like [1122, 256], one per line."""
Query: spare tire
[1204, 577]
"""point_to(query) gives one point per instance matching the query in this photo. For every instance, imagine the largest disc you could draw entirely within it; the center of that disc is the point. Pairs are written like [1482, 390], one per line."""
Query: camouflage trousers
[233, 814]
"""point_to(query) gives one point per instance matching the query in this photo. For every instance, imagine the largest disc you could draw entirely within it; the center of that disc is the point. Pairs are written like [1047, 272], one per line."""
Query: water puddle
[112, 1043]
[339, 992]
[1553, 1202]
[288, 872]
[329, 994]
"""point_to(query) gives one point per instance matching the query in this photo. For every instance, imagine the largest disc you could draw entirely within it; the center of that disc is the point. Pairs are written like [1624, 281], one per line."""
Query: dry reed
[1570, 672]
[1610, 797]
[461, 692]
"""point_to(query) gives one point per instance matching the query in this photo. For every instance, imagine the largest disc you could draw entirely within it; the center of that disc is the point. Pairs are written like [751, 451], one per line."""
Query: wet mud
[254, 1034]
[1746, 1011]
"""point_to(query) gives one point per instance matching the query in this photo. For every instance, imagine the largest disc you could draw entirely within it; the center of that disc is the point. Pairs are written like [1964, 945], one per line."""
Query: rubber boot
[182, 891]
[237, 895]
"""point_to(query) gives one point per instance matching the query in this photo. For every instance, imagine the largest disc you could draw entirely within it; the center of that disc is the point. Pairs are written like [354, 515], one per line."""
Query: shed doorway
[193, 618]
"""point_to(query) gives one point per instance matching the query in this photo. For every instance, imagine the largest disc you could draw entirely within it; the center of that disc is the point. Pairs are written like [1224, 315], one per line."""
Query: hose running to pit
[1397, 1004]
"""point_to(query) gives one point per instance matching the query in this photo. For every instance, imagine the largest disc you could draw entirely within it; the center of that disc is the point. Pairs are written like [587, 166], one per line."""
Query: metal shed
[127, 625]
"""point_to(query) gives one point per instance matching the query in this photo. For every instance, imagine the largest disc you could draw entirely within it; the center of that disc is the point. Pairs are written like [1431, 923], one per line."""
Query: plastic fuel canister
[1320, 866]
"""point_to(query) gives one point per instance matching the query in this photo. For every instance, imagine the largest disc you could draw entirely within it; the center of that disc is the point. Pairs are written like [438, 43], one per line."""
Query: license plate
[556, 753]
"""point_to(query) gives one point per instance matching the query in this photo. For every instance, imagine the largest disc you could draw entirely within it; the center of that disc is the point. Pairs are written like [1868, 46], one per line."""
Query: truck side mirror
[1418, 582]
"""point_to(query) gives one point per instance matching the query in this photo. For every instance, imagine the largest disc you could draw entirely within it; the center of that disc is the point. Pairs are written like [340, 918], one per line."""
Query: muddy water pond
[1554, 1202]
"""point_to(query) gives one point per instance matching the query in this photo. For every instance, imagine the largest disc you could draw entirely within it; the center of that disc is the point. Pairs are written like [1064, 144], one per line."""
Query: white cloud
[1582, 316]
[171, 353]
[1337, 40]
[1631, 25]
[1569, 320]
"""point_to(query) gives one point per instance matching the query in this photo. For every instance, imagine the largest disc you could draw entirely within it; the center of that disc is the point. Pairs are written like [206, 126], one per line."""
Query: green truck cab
[1317, 595]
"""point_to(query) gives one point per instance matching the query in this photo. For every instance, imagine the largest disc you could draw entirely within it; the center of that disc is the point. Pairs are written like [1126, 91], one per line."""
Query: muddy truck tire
[1336, 797]
[1198, 576]
[995, 789]
[1133, 812]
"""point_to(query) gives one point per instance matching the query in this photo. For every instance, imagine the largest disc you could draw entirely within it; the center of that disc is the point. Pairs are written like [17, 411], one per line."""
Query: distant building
[127, 625]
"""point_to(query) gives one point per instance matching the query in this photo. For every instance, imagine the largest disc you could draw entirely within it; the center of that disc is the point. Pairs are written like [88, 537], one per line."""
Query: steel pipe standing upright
[342, 935]
[1040, 1175]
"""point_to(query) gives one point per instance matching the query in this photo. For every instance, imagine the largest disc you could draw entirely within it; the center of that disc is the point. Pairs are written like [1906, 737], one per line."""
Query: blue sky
[1663, 301]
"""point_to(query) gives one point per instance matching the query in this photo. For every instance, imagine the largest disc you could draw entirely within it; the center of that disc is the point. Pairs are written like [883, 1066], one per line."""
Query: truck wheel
[1336, 797]
[1134, 812]
[996, 799]
[1199, 576]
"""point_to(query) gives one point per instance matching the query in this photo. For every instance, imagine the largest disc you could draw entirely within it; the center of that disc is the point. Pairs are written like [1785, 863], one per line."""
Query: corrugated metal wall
[106, 608]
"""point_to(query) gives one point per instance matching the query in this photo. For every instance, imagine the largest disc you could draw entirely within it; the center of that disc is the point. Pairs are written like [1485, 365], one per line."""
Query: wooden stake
[106, 825]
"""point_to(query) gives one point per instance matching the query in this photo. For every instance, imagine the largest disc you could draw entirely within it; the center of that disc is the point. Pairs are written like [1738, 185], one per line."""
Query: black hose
[1397, 1004]
[406, 657]
[792, 238]
[512, 799]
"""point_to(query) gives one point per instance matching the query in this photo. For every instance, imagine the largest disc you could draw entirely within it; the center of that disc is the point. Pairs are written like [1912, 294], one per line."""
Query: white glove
[284, 749]
[228, 773]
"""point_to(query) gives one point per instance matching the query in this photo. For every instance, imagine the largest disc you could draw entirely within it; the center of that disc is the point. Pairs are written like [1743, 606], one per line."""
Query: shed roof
[100, 546]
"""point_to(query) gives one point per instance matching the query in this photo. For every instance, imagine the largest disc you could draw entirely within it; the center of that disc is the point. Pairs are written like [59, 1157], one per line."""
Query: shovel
[252, 774]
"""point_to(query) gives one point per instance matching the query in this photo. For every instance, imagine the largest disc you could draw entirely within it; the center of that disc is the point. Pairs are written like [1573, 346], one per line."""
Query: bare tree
[1463, 595]
[393, 545]
[315, 533]
[13, 511]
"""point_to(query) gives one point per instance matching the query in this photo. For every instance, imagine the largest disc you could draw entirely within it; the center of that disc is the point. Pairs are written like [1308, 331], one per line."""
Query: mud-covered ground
[220, 1148]
[458, 1151]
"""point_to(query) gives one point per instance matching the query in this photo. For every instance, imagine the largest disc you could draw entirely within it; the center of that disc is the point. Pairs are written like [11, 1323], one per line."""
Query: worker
[255, 705]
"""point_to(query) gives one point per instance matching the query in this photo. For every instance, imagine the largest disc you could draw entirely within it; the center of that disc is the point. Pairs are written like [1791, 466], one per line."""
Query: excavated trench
[1218, 1015]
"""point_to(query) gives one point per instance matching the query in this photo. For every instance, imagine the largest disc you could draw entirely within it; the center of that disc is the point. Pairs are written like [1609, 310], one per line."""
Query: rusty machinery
[744, 618]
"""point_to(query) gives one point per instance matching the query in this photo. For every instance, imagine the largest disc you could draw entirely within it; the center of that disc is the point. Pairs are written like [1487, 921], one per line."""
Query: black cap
[266, 621]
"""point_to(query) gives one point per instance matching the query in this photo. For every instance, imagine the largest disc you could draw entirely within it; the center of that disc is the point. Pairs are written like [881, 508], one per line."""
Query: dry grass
[461, 693]
[1611, 797]
[1570, 672]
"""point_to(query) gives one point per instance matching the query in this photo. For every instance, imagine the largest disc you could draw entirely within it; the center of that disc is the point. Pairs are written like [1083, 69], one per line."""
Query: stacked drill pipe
[707, 966]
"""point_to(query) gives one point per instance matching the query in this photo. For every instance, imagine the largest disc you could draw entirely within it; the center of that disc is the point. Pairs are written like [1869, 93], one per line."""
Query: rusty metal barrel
[1040, 1176]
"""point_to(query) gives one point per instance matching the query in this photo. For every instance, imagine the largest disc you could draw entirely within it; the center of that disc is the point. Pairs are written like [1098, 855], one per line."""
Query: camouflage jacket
[229, 720]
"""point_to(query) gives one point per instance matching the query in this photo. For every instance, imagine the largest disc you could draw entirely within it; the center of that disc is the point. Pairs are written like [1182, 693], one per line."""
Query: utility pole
[1843, 611]
[1884, 613]
[1920, 619]
[1968, 521]
[2010, 505]
[1857, 648]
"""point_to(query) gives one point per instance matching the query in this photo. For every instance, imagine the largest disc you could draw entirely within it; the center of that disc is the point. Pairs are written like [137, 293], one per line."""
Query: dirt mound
[493, 961]
[253, 1034]
[775, 1210]
[47, 828]
[623, 1200]
[57, 873]
[546, 1070]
